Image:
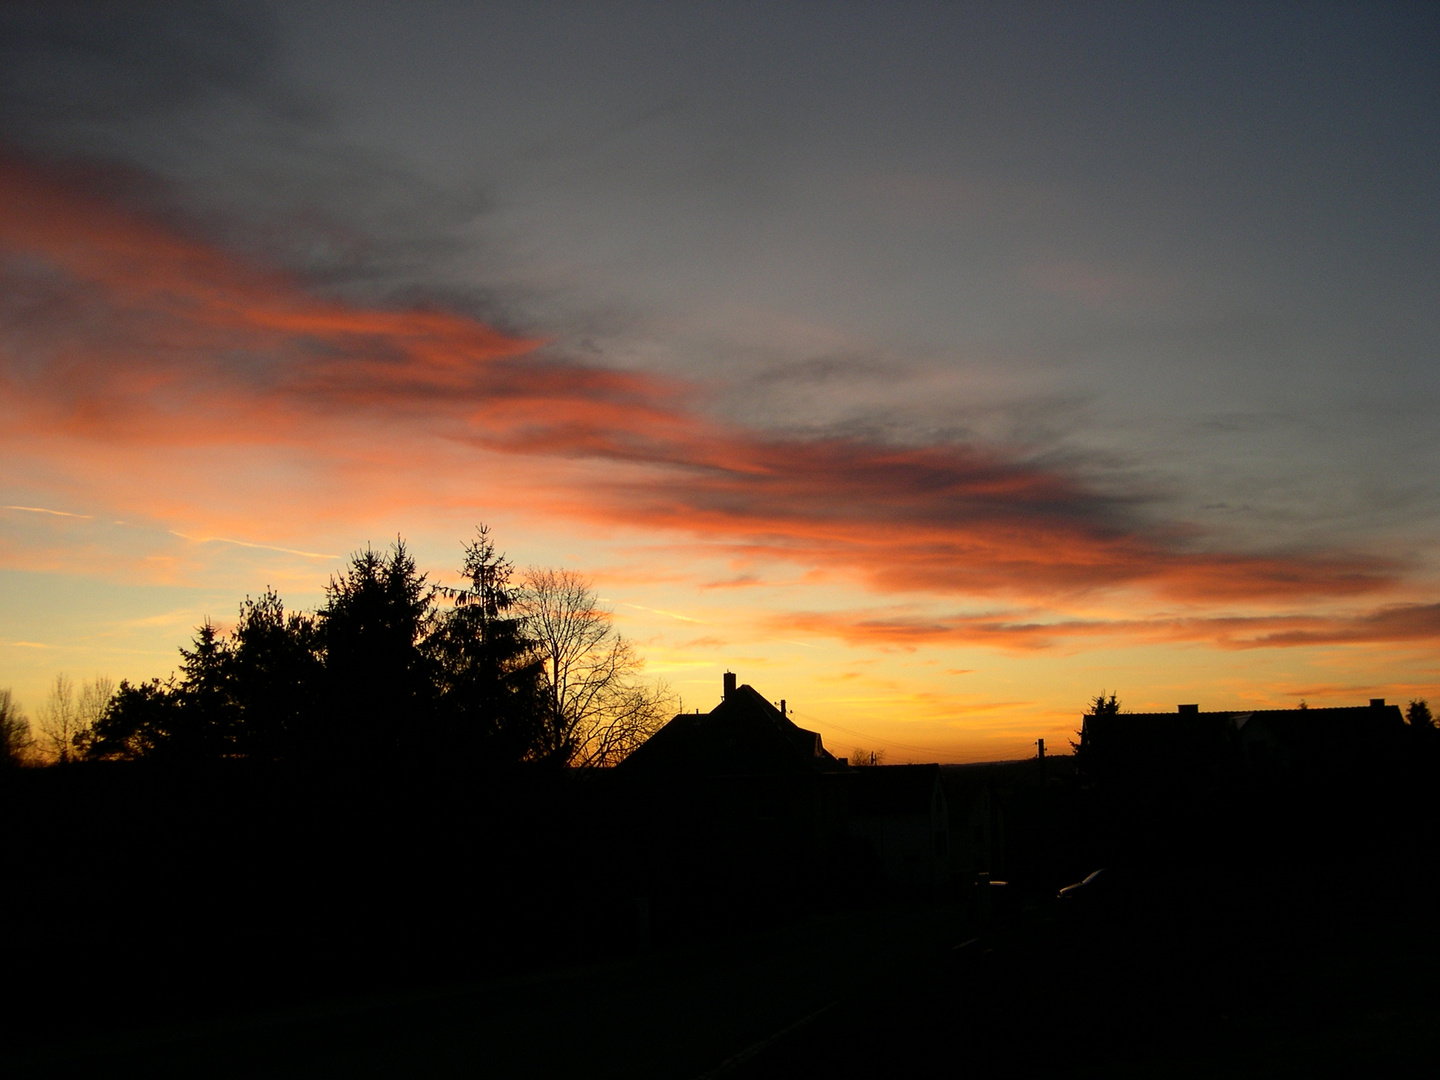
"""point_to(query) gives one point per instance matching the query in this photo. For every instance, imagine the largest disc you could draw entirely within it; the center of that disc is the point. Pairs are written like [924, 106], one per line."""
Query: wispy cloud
[660, 611]
[248, 544]
[43, 510]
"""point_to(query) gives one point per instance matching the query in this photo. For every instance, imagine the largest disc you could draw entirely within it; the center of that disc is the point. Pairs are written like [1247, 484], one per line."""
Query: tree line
[392, 670]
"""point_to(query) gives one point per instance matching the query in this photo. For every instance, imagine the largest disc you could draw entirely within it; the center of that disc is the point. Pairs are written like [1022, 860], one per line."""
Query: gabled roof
[744, 734]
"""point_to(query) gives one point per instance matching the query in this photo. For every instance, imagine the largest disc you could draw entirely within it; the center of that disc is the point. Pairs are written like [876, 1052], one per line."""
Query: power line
[871, 738]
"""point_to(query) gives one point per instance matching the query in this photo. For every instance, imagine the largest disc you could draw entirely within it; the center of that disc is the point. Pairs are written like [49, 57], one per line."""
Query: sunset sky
[931, 367]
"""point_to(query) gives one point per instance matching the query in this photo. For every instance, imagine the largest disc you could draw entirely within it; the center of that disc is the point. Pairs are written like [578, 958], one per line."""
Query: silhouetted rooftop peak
[745, 732]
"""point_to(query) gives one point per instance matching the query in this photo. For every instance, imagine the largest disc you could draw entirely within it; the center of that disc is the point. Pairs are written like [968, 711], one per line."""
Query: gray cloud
[188, 111]
[77, 63]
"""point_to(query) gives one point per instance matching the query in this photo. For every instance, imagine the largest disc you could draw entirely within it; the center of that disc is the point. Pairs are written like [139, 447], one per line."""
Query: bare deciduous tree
[16, 741]
[59, 721]
[66, 720]
[599, 709]
[860, 756]
[94, 700]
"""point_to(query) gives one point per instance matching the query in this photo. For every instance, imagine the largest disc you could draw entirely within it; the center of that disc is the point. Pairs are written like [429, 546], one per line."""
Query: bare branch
[58, 720]
[600, 709]
[15, 734]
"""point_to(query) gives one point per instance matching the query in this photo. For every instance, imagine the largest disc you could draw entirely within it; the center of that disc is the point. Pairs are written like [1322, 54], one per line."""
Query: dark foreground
[1292, 976]
[236, 924]
[1291, 973]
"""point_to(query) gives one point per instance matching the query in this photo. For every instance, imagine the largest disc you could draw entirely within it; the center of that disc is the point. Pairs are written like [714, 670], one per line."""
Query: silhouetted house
[1190, 749]
[901, 813]
[1344, 739]
[739, 794]
[745, 735]
[750, 785]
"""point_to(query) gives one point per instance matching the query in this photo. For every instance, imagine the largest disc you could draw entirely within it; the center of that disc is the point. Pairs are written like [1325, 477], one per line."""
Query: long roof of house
[1317, 729]
[1353, 716]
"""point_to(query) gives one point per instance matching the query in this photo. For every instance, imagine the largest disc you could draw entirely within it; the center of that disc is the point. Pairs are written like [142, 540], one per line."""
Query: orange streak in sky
[1393, 623]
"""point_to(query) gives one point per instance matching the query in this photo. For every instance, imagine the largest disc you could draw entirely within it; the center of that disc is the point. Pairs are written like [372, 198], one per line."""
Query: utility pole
[1043, 811]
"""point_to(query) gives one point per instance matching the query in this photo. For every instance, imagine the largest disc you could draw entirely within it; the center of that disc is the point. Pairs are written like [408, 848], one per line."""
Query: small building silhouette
[1192, 748]
[761, 790]
[742, 790]
[743, 735]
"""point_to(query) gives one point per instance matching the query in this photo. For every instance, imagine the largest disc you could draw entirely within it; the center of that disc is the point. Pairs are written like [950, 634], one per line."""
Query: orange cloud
[957, 519]
[1394, 623]
[128, 339]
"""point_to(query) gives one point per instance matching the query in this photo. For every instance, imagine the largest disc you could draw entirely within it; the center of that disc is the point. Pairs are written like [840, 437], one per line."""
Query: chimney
[1377, 703]
[1189, 708]
[782, 706]
[729, 683]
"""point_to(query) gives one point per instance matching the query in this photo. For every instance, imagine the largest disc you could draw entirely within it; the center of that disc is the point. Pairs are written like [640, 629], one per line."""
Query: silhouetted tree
[1103, 706]
[191, 718]
[139, 722]
[245, 695]
[16, 742]
[384, 674]
[598, 707]
[59, 721]
[94, 699]
[1418, 715]
[379, 686]
[274, 678]
[209, 718]
[491, 678]
[1099, 705]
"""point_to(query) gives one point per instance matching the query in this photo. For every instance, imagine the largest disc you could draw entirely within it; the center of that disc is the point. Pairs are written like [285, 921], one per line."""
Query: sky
[932, 367]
